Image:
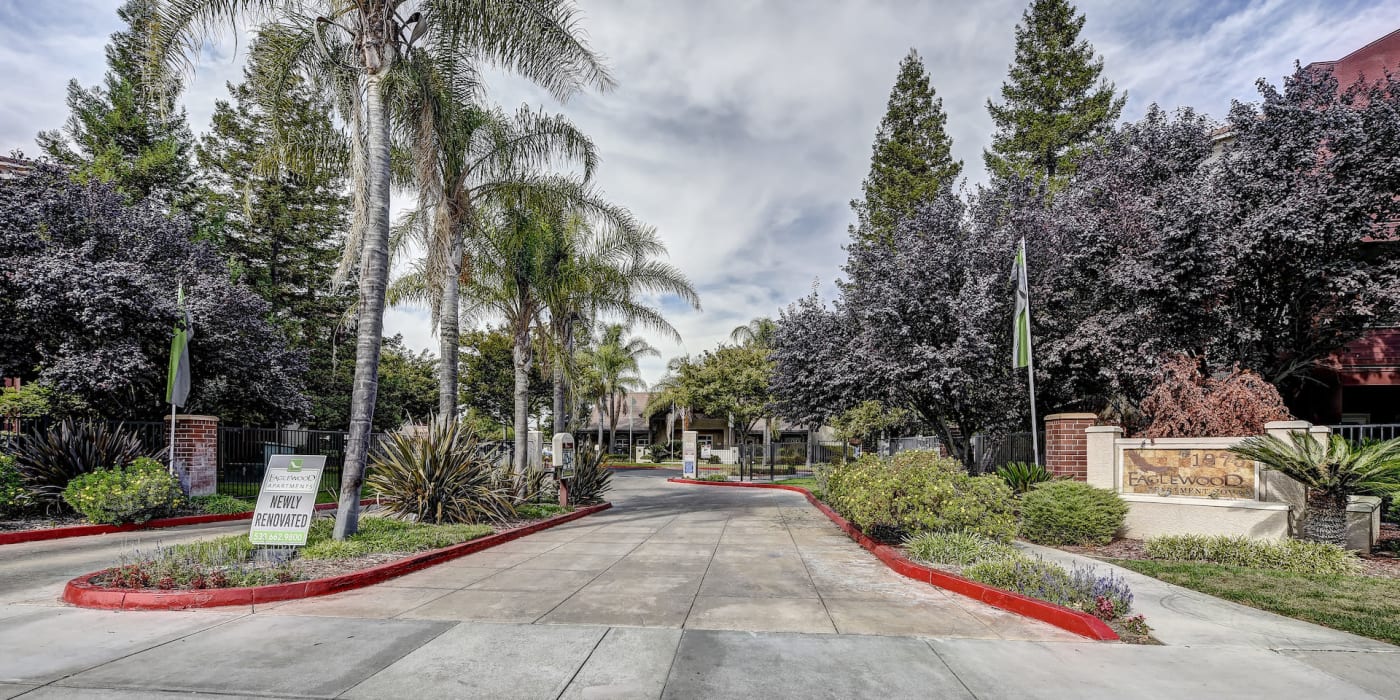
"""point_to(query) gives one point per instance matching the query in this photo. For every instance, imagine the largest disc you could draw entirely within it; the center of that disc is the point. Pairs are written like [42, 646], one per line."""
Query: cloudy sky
[741, 129]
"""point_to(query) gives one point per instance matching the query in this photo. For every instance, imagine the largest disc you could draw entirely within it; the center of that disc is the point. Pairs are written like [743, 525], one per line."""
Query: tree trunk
[612, 421]
[1326, 518]
[522, 400]
[558, 410]
[374, 276]
[449, 332]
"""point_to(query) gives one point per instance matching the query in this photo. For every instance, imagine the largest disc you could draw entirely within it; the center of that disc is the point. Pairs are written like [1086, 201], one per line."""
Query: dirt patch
[41, 522]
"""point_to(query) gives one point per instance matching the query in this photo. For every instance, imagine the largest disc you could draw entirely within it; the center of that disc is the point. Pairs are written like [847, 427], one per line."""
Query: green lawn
[806, 482]
[1364, 605]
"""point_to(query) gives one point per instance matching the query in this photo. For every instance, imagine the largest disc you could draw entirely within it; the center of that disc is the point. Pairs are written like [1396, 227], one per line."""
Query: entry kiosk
[563, 456]
[688, 440]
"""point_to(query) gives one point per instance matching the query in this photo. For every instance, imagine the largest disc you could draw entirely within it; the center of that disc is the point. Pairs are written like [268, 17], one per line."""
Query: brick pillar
[196, 457]
[1065, 446]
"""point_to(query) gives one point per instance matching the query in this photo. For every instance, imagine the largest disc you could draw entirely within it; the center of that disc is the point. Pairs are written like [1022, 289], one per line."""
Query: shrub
[714, 477]
[591, 479]
[133, 494]
[1106, 596]
[222, 504]
[916, 492]
[51, 460]
[14, 497]
[539, 511]
[1028, 576]
[1186, 403]
[1071, 512]
[1023, 476]
[1313, 558]
[957, 548]
[440, 475]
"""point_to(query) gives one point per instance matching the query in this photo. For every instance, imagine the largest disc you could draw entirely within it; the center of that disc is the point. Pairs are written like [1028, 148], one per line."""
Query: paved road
[664, 596]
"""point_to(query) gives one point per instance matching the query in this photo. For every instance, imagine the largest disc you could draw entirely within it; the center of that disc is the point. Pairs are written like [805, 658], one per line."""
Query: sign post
[563, 456]
[287, 500]
[688, 440]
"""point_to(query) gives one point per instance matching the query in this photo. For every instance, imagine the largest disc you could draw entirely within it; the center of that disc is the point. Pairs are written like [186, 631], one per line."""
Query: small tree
[1331, 471]
[1187, 403]
[868, 419]
[731, 381]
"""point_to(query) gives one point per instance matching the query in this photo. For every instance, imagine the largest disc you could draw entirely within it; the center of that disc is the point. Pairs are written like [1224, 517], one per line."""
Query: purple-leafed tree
[816, 375]
[933, 309]
[1301, 214]
[87, 294]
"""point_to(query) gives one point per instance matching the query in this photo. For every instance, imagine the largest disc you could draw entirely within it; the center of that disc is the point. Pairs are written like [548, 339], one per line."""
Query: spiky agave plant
[1330, 470]
[591, 478]
[48, 461]
[439, 473]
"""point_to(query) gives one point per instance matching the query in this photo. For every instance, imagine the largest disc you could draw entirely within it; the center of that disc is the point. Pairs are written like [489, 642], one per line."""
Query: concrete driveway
[697, 557]
[678, 592]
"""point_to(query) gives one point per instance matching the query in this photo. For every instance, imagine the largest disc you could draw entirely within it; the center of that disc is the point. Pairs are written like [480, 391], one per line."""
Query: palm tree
[354, 48]
[669, 394]
[465, 155]
[759, 331]
[1330, 470]
[542, 251]
[616, 362]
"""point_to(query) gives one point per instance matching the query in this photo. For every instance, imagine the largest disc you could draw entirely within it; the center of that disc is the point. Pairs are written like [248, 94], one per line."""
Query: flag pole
[1030, 357]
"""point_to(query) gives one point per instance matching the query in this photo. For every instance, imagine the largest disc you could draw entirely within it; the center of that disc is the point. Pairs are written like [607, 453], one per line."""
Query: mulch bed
[41, 522]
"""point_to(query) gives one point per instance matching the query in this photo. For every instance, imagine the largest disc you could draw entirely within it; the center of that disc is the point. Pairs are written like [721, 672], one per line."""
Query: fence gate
[243, 455]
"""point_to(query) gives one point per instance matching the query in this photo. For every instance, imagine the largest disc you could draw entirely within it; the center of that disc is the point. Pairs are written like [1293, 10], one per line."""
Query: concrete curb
[83, 594]
[1080, 623]
[59, 533]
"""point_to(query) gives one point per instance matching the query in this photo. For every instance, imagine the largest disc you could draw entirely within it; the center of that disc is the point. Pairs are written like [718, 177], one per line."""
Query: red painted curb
[59, 533]
[83, 594]
[1080, 623]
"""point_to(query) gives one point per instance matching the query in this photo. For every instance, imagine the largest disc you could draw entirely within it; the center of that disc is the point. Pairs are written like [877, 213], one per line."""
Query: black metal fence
[154, 435]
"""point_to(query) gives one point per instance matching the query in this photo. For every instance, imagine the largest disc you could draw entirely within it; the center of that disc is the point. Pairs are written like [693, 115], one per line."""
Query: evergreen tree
[912, 157]
[1054, 102]
[127, 131]
[281, 229]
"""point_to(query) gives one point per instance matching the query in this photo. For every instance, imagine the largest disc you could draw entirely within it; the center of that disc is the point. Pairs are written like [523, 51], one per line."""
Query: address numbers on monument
[1199, 473]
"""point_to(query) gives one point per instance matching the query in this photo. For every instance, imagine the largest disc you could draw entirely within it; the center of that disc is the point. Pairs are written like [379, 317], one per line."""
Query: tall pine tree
[1054, 101]
[281, 229]
[912, 157]
[127, 131]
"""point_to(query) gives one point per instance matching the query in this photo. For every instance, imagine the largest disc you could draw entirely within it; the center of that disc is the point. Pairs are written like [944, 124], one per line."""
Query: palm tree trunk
[449, 333]
[1326, 518]
[612, 421]
[558, 409]
[522, 399]
[374, 275]
[600, 423]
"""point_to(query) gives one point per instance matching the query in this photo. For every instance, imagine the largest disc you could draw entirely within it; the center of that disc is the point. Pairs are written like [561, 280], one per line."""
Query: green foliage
[713, 477]
[539, 511]
[407, 389]
[916, 492]
[957, 548]
[222, 504]
[439, 473]
[912, 156]
[132, 494]
[126, 132]
[223, 562]
[1054, 103]
[592, 479]
[1297, 556]
[867, 420]
[385, 535]
[48, 462]
[1071, 512]
[1023, 476]
[14, 497]
[487, 384]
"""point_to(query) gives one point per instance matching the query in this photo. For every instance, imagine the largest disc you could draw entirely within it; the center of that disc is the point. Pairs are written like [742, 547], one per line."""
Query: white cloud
[742, 129]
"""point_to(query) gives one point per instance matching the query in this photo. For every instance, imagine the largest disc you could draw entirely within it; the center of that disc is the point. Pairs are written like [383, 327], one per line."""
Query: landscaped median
[83, 592]
[1075, 621]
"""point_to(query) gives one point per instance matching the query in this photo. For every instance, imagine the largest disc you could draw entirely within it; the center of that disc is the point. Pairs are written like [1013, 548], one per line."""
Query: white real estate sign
[287, 499]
